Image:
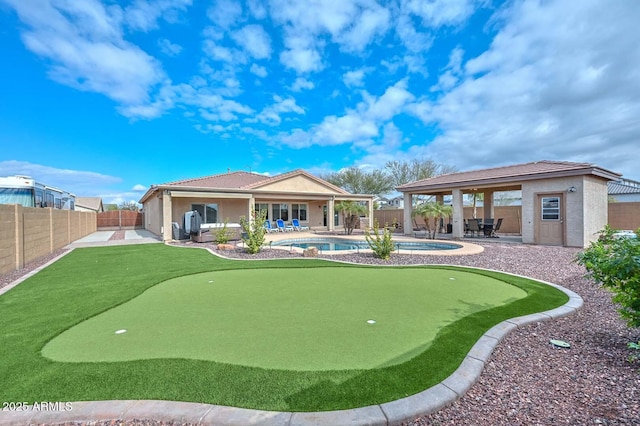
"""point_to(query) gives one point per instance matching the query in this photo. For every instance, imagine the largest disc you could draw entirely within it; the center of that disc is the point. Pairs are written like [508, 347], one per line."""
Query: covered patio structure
[563, 203]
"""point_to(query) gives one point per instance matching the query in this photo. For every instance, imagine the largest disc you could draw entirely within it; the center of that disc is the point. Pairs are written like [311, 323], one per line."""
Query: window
[39, 197]
[299, 211]
[280, 211]
[22, 196]
[551, 208]
[48, 198]
[262, 207]
[208, 212]
[58, 203]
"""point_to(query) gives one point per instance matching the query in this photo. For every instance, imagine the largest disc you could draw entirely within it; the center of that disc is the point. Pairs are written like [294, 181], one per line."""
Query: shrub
[614, 262]
[223, 235]
[382, 245]
[253, 232]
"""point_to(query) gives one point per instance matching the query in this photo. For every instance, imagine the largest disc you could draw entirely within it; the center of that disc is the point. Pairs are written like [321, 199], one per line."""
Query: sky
[105, 98]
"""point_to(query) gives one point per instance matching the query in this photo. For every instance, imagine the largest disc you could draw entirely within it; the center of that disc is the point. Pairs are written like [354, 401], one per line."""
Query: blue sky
[104, 98]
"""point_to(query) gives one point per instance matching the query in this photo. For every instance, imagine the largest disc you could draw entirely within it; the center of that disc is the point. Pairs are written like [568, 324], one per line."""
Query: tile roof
[245, 180]
[513, 173]
[231, 180]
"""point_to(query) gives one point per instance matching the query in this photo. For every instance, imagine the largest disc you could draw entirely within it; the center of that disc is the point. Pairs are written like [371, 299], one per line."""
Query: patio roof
[508, 176]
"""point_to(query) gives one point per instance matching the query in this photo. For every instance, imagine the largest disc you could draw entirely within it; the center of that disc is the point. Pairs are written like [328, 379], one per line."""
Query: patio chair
[282, 227]
[418, 228]
[487, 227]
[496, 228]
[267, 226]
[297, 226]
[474, 227]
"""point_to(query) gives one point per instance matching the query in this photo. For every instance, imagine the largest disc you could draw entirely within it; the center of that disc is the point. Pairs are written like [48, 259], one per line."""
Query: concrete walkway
[389, 413]
[102, 238]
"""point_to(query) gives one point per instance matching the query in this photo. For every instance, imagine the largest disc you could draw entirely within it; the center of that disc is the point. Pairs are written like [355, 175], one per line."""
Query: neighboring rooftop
[511, 174]
[91, 203]
[624, 186]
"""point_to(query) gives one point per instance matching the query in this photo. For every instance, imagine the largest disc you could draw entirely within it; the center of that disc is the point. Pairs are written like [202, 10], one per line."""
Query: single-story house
[563, 203]
[89, 204]
[229, 196]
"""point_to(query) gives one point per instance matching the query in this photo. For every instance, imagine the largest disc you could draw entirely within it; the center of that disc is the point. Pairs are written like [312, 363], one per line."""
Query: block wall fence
[27, 233]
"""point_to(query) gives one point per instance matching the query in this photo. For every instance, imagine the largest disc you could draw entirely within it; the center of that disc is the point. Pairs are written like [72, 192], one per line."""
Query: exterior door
[550, 219]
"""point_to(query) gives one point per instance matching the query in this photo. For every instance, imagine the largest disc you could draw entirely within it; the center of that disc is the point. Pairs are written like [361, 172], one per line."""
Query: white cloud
[139, 188]
[258, 70]
[302, 60]
[254, 40]
[143, 15]
[84, 44]
[225, 13]
[168, 48]
[271, 114]
[257, 9]
[435, 13]
[301, 84]
[354, 78]
[558, 82]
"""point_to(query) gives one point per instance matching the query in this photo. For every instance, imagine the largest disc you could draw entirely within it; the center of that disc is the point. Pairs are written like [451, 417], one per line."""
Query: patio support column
[252, 202]
[370, 204]
[408, 208]
[167, 216]
[440, 229]
[330, 213]
[458, 214]
[488, 204]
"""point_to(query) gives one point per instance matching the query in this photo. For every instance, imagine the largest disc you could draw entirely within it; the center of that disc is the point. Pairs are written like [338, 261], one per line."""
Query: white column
[330, 214]
[408, 208]
[370, 203]
[488, 205]
[167, 216]
[250, 208]
[458, 214]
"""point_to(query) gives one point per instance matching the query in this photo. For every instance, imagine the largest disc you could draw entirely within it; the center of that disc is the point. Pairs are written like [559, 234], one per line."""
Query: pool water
[338, 244]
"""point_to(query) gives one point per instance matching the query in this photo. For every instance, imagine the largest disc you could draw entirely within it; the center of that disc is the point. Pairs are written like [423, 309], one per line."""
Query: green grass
[284, 318]
[92, 281]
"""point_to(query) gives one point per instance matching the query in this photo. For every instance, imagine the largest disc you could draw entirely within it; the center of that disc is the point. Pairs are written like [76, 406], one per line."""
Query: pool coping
[389, 413]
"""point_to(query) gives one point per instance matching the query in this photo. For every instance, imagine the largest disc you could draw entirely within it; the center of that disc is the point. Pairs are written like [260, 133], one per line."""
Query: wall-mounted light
[572, 189]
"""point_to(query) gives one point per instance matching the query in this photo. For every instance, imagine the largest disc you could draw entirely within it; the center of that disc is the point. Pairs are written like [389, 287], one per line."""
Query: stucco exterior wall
[230, 208]
[315, 214]
[585, 209]
[153, 215]
[573, 208]
[596, 208]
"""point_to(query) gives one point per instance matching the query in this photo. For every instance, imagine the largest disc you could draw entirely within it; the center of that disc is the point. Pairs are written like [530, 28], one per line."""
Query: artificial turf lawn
[286, 318]
[91, 281]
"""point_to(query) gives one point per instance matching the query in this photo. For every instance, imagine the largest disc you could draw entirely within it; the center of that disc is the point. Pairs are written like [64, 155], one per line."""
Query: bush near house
[253, 232]
[382, 245]
[614, 262]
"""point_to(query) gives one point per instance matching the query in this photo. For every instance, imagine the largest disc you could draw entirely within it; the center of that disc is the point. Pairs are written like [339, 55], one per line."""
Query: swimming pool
[339, 244]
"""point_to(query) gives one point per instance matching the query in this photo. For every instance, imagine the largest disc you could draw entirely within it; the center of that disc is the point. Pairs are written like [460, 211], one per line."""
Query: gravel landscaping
[527, 381]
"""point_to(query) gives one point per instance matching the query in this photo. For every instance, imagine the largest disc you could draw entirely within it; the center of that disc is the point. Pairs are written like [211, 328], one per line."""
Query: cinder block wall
[624, 215]
[27, 233]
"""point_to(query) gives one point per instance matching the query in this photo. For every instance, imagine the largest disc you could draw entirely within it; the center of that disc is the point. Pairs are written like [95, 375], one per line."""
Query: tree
[351, 212]
[253, 231]
[358, 181]
[129, 205]
[428, 211]
[614, 262]
[401, 172]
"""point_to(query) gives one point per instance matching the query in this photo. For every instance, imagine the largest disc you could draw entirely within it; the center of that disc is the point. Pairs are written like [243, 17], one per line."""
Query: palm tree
[432, 210]
[351, 212]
